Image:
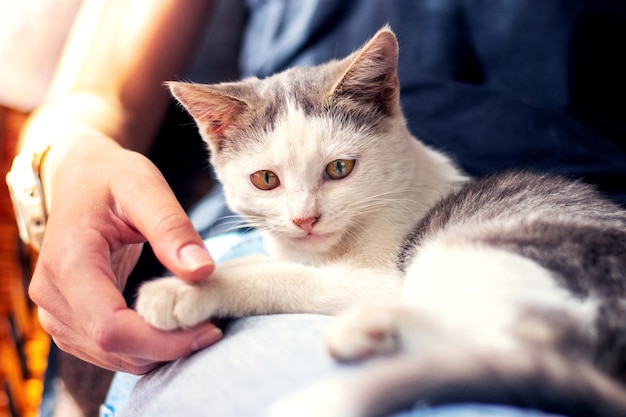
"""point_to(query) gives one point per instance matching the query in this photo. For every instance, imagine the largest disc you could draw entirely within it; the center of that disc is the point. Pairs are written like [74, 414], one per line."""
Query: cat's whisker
[375, 203]
[231, 223]
[225, 228]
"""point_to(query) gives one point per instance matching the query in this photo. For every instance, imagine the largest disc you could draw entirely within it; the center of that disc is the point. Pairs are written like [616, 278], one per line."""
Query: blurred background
[32, 36]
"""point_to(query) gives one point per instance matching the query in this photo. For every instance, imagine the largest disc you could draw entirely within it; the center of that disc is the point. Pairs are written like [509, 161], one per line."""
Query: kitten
[506, 289]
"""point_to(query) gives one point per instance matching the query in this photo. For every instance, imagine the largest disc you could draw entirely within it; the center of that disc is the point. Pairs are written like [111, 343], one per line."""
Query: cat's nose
[306, 224]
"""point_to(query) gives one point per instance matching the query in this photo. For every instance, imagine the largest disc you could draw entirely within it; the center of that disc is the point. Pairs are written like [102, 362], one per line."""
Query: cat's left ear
[211, 107]
[371, 75]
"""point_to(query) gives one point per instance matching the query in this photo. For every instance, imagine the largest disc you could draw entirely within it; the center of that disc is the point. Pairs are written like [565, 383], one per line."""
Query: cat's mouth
[314, 238]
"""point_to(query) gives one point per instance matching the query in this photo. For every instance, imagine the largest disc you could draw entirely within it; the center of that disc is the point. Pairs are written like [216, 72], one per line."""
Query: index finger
[126, 333]
[132, 358]
[114, 329]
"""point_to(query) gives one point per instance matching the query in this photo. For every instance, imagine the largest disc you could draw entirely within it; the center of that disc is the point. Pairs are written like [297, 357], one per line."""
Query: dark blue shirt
[522, 84]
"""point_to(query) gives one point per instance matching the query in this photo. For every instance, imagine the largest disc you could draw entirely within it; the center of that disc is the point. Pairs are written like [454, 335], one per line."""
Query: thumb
[181, 250]
[159, 217]
[177, 244]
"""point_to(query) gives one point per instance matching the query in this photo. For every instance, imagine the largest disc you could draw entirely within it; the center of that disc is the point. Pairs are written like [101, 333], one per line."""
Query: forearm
[111, 74]
[105, 201]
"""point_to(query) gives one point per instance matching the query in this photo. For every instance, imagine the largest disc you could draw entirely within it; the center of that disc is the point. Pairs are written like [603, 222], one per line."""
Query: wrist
[59, 151]
[31, 179]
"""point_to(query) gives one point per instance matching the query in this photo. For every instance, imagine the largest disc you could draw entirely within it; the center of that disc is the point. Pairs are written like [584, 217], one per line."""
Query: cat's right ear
[213, 110]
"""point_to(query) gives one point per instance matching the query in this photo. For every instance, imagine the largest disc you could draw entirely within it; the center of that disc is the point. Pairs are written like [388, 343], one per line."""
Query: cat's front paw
[363, 331]
[171, 303]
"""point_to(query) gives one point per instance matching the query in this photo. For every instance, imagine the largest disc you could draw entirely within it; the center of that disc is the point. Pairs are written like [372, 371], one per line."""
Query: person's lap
[260, 360]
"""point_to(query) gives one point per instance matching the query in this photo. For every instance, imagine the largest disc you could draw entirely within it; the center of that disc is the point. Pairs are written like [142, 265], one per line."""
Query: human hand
[106, 202]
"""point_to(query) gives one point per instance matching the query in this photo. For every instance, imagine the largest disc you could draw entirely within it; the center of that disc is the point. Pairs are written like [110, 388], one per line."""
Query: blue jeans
[259, 361]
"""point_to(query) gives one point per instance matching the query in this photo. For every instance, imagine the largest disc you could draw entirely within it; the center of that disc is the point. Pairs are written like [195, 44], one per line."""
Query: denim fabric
[260, 360]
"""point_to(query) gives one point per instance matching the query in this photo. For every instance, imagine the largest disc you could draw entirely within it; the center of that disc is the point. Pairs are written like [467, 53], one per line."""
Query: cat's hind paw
[363, 331]
[171, 303]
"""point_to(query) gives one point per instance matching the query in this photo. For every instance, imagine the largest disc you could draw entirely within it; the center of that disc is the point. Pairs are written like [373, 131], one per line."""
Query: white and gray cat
[506, 289]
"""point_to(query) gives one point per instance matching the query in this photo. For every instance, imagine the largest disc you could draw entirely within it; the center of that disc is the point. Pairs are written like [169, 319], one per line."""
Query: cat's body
[470, 275]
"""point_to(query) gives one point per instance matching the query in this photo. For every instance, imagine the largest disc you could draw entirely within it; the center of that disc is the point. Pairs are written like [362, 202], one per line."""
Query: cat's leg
[170, 303]
[452, 291]
[244, 287]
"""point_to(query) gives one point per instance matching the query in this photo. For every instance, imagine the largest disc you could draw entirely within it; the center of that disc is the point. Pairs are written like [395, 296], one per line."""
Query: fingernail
[194, 256]
[206, 338]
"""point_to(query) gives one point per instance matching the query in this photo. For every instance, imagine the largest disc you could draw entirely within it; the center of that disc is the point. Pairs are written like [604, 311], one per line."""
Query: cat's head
[308, 154]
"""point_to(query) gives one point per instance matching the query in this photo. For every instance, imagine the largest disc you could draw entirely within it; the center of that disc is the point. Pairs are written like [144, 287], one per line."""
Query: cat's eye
[265, 180]
[340, 168]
